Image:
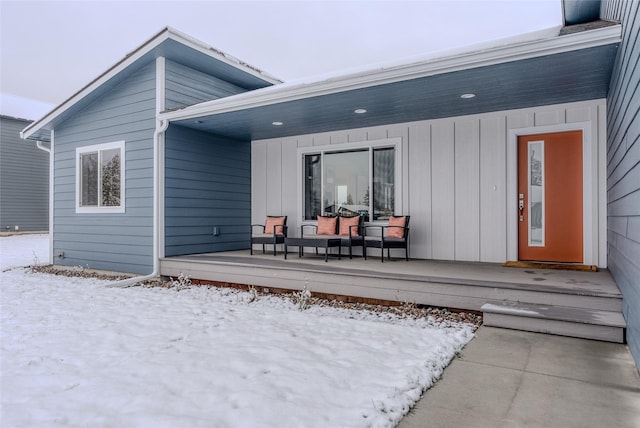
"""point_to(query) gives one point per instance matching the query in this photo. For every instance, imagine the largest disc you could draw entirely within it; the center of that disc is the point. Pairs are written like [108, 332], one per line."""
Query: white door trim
[589, 185]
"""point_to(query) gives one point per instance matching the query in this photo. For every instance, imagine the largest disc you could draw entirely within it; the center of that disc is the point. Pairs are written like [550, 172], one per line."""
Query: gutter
[39, 144]
[393, 73]
[161, 127]
[147, 47]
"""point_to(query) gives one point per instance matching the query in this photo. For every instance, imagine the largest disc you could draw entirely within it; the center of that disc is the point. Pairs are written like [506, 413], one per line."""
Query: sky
[51, 49]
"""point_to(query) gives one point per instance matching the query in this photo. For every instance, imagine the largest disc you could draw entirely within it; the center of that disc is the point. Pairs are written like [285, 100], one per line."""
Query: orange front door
[550, 197]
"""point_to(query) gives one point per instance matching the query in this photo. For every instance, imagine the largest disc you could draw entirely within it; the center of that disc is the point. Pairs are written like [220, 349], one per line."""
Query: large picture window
[100, 178]
[355, 181]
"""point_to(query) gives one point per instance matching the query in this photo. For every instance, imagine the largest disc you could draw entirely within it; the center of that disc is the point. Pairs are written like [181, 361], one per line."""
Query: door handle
[521, 209]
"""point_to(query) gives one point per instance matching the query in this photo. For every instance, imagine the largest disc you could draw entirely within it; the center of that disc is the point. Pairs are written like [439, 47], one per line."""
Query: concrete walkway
[507, 378]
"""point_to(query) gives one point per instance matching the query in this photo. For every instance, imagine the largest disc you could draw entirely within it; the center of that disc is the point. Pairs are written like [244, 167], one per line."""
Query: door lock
[521, 207]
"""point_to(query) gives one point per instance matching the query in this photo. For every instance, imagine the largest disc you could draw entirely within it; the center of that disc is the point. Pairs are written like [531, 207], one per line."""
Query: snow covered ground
[75, 352]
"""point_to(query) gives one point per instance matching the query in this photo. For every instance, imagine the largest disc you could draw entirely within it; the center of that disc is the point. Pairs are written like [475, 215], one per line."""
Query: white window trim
[396, 143]
[96, 148]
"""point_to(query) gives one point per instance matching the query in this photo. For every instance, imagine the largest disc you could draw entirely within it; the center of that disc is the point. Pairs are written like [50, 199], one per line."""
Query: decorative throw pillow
[396, 232]
[327, 225]
[274, 222]
[346, 223]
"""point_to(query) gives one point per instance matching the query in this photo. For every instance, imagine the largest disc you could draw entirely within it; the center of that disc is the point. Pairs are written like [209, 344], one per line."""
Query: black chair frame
[355, 238]
[383, 242]
[268, 237]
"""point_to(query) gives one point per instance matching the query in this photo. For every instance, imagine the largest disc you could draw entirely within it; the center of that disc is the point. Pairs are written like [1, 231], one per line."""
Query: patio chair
[393, 235]
[272, 232]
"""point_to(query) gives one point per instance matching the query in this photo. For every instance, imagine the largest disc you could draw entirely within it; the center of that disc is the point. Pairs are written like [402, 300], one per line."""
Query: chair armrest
[405, 229]
[278, 226]
[284, 229]
[257, 225]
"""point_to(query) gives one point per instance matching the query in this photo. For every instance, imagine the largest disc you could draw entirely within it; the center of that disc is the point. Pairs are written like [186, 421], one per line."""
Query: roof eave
[223, 57]
[381, 76]
[165, 34]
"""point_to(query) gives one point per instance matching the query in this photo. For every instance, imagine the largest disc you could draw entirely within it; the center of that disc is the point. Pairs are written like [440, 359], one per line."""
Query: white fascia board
[208, 50]
[380, 76]
[146, 47]
[96, 83]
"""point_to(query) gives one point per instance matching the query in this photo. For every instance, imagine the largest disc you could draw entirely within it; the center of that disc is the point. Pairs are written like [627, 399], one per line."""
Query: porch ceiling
[564, 77]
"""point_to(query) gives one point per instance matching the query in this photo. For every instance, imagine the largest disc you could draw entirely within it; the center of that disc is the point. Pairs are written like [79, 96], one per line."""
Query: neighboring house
[24, 180]
[178, 148]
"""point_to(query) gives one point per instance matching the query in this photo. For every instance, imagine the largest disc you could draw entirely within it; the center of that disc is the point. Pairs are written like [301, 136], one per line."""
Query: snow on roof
[130, 58]
[547, 33]
[524, 46]
[22, 119]
[230, 58]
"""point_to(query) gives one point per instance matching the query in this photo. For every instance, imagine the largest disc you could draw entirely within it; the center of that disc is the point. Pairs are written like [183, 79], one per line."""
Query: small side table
[312, 241]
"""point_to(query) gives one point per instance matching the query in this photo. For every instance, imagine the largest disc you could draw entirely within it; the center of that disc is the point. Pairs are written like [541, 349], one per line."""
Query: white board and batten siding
[118, 242]
[453, 179]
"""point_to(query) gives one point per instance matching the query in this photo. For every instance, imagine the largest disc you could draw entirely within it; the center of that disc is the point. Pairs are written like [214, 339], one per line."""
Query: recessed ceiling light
[277, 123]
[467, 96]
[360, 110]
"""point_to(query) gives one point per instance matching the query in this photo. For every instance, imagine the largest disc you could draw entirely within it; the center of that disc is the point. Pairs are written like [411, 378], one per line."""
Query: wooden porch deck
[590, 299]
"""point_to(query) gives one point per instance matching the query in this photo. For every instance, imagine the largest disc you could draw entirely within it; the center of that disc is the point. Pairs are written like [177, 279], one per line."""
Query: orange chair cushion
[327, 225]
[396, 232]
[345, 225]
[274, 222]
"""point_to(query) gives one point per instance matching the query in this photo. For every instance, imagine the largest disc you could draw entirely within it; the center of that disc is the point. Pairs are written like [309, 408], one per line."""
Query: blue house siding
[186, 86]
[118, 242]
[207, 186]
[24, 180]
[623, 165]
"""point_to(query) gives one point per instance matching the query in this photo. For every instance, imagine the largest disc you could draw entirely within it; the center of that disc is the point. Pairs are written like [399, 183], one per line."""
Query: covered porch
[570, 303]
[452, 124]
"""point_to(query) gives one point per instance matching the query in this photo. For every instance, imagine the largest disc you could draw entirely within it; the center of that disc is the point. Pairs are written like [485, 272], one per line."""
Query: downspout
[40, 145]
[161, 127]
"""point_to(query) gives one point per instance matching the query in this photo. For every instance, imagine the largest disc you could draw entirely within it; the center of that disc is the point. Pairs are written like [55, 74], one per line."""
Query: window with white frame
[100, 178]
[353, 179]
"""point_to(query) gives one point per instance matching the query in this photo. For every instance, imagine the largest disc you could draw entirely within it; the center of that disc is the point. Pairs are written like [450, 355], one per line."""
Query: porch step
[595, 324]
